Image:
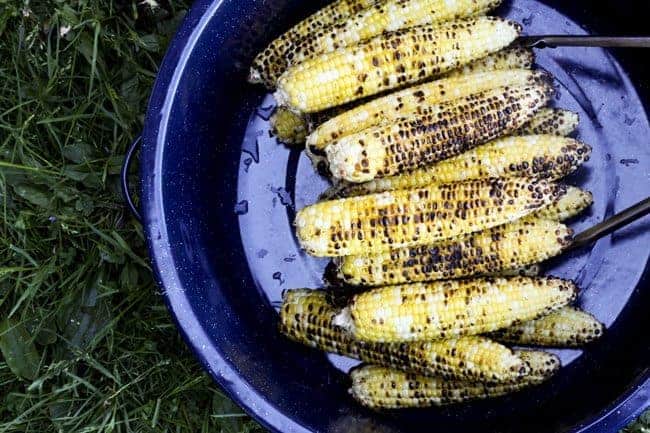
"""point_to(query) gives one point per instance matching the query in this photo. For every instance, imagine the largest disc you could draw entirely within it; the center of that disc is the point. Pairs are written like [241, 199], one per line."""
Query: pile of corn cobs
[443, 159]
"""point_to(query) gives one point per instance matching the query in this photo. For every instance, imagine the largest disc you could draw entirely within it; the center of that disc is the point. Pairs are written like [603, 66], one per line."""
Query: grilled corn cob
[394, 219]
[384, 388]
[446, 130]
[569, 205]
[498, 251]
[390, 60]
[385, 16]
[306, 316]
[509, 58]
[446, 309]
[551, 121]
[510, 246]
[271, 62]
[409, 102]
[289, 127]
[537, 156]
[566, 327]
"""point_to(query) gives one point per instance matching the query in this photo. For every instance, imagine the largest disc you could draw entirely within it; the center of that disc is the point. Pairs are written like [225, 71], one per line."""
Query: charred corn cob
[536, 156]
[385, 16]
[394, 219]
[390, 60]
[509, 58]
[510, 246]
[385, 388]
[289, 127]
[569, 205]
[410, 102]
[446, 130]
[446, 309]
[498, 251]
[270, 63]
[306, 316]
[566, 327]
[551, 121]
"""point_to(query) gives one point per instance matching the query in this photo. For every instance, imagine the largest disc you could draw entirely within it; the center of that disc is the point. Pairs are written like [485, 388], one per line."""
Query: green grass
[86, 343]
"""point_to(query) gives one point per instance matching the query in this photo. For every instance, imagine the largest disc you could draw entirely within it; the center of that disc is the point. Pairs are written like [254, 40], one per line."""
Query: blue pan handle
[124, 174]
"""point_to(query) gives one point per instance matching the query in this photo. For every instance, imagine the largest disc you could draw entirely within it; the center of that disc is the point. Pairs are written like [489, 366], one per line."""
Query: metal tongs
[553, 41]
[611, 224]
[640, 209]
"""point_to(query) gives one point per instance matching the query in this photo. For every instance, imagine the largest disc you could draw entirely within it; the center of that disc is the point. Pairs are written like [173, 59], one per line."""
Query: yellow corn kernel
[555, 121]
[385, 388]
[566, 327]
[490, 252]
[569, 205]
[453, 308]
[394, 219]
[270, 63]
[288, 127]
[390, 60]
[535, 156]
[410, 102]
[306, 317]
[508, 58]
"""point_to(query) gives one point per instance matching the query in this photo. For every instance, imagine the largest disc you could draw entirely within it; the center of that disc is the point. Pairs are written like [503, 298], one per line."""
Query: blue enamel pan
[218, 196]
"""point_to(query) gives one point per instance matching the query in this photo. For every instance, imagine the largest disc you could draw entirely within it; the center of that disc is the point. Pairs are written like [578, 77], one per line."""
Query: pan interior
[275, 181]
[221, 194]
